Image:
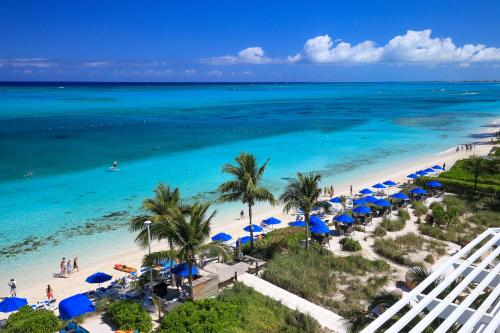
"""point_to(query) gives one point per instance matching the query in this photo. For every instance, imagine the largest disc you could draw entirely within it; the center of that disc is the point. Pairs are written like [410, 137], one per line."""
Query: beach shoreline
[34, 288]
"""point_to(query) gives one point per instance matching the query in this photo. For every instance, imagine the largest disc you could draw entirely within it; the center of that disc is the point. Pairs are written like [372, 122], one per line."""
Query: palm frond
[157, 257]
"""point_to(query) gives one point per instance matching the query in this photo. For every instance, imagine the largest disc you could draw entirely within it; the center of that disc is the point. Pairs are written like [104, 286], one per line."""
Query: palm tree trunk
[190, 279]
[476, 176]
[171, 247]
[307, 218]
[250, 224]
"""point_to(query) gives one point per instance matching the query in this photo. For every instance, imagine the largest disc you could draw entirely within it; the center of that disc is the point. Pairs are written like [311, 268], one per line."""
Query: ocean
[68, 134]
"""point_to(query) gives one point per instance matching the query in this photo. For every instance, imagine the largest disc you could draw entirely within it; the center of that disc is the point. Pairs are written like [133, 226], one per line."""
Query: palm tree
[302, 193]
[189, 231]
[477, 166]
[161, 211]
[245, 186]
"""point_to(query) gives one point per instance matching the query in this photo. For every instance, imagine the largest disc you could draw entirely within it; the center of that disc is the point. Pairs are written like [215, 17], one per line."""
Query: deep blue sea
[67, 135]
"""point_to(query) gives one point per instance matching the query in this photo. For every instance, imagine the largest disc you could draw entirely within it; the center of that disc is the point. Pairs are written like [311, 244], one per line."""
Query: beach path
[325, 318]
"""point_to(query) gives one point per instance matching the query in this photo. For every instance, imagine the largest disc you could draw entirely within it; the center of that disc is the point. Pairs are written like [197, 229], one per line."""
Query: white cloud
[250, 55]
[190, 71]
[143, 73]
[215, 73]
[414, 47]
[97, 64]
[28, 62]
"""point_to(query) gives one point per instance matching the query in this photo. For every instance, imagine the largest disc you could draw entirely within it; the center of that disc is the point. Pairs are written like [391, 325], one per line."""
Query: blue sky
[249, 41]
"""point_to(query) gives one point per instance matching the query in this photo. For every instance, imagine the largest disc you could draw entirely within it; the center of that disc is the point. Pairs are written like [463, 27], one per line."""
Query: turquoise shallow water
[68, 135]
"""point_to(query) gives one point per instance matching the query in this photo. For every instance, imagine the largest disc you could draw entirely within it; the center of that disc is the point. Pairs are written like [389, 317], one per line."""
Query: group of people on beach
[466, 147]
[329, 191]
[68, 266]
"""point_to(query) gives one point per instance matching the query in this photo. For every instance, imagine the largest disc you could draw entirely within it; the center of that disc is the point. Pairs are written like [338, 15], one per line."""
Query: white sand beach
[64, 287]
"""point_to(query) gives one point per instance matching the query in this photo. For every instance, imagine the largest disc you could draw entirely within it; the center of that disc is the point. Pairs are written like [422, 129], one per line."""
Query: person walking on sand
[444, 166]
[62, 266]
[242, 214]
[332, 191]
[50, 292]
[68, 267]
[13, 286]
[350, 190]
[75, 265]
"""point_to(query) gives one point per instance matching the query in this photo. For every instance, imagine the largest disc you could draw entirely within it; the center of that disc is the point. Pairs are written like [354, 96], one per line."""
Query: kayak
[125, 268]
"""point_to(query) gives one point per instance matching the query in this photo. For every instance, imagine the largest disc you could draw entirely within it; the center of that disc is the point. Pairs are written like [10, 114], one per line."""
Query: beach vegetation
[419, 208]
[349, 244]
[393, 225]
[302, 193]
[402, 248]
[129, 315]
[379, 232]
[338, 283]
[246, 185]
[27, 320]
[238, 309]
[277, 241]
[403, 214]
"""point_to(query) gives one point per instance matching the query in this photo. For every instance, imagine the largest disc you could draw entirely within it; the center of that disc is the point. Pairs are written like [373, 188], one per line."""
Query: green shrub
[393, 225]
[379, 232]
[129, 315]
[419, 208]
[238, 309]
[209, 315]
[349, 244]
[277, 241]
[403, 214]
[430, 259]
[27, 320]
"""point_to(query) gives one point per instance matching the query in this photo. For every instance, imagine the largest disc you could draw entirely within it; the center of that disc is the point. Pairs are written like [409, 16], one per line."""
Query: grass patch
[239, 309]
[401, 248]
[349, 244]
[419, 208]
[393, 225]
[339, 283]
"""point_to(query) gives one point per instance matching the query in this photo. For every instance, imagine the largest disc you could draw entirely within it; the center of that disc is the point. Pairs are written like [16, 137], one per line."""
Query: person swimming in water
[115, 165]
[28, 174]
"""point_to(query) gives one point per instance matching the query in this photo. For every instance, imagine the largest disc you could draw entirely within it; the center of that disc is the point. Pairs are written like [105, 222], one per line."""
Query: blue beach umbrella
[371, 199]
[272, 221]
[418, 191]
[254, 227]
[366, 191]
[434, 183]
[383, 203]
[430, 170]
[362, 210]
[315, 219]
[244, 240]
[335, 200]
[344, 218]
[378, 185]
[98, 277]
[421, 173]
[412, 176]
[75, 306]
[438, 167]
[358, 202]
[297, 224]
[319, 228]
[400, 196]
[390, 183]
[10, 304]
[183, 270]
[221, 237]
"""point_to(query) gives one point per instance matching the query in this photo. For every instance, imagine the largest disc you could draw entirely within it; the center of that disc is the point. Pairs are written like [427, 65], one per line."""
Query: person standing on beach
[350, 190]
[13, 286]
[332, 191]
[62, 266]
[75, 265]
[68, 267]
[444, 166]
[242, 214]
[50, 293]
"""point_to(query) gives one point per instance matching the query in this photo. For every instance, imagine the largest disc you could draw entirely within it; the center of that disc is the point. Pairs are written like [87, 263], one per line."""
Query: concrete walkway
[325, 318]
